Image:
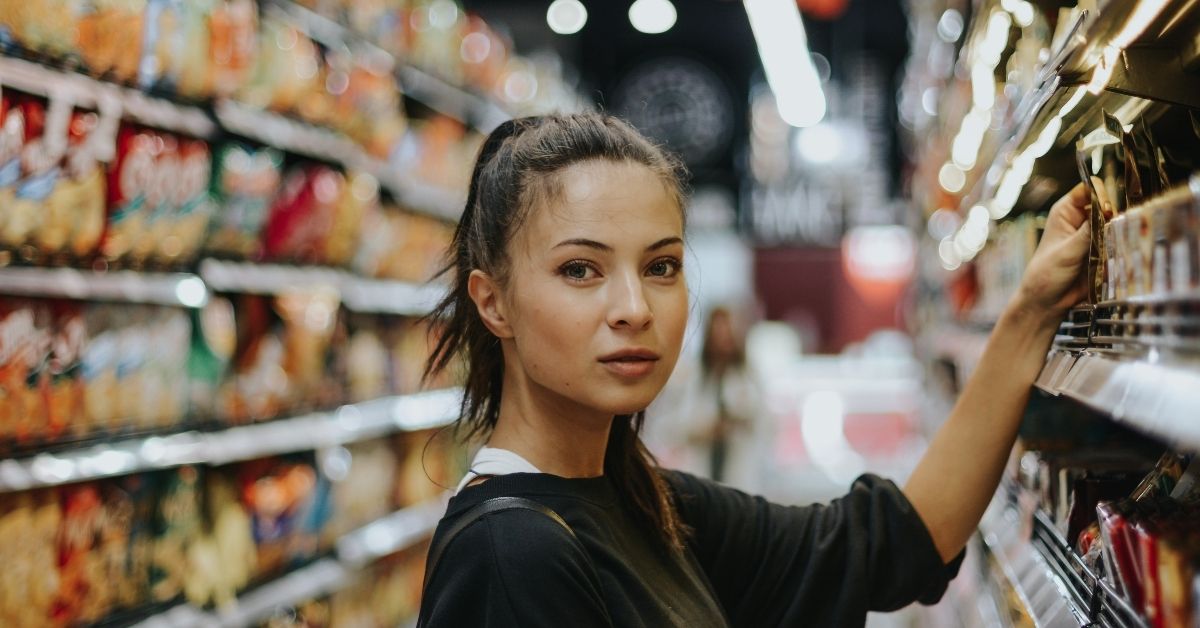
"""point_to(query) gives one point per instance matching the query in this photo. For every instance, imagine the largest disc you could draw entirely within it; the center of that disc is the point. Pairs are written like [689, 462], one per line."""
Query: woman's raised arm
[954, 481]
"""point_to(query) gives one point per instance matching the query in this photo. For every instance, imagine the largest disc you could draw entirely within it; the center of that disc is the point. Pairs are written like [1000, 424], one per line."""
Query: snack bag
[109, 38]
[177, 524]
[132, 186]
[65, 399]
[24, 354]
[368, 361]
[160, 185]
[44, 136]
[81, 591]
[74, 217]
[162, 37]
[358, 197]
[29, 585]
[193, 204]
[135, 398]
[274, 493]
[47, 27]
[213, 342]
[233, 43]
[303, 214]
[125, 538]
[12, 142]
[309, 322]
[258, 387]
[168, 338]
[244, 183]
[191, 61]
[98, 368]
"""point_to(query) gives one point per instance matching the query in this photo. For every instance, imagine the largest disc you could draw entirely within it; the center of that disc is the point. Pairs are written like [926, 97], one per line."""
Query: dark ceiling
[714, 33]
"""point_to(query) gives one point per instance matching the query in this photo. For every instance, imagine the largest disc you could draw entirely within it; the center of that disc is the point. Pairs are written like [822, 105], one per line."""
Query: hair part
[517, 170]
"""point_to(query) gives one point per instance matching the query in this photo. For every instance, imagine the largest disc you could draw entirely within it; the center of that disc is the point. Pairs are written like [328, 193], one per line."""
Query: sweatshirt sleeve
[824, 565]
[514, 568]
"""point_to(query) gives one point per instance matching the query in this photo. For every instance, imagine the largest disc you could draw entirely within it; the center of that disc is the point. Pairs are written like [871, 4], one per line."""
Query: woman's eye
[663, 268]
[577, 271]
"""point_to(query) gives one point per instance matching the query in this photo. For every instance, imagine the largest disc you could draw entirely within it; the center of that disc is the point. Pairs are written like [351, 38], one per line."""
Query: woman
[725, 404]
[569, 306]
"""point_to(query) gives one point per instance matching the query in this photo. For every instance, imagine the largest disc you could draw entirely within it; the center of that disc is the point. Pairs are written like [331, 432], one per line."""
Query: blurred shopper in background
[727, 401]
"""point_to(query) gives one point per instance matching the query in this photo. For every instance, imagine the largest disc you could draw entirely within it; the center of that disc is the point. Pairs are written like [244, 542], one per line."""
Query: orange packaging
[109, 38]
[233, 45]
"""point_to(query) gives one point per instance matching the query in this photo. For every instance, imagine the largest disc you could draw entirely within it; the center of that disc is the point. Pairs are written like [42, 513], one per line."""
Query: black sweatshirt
[748, 562]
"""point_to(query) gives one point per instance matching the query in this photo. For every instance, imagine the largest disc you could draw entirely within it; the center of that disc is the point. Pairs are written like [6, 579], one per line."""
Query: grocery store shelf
[88, 92]
[395, 532]
[423, 87]
[359, 294]
[437, 94]
[287, 134]
[179, 289]
[1157, 398]
[348, 424]
[1056, 587]
[390, 534]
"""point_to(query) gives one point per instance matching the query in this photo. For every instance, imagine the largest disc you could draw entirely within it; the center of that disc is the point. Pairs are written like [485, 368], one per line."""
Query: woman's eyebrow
[600, 246]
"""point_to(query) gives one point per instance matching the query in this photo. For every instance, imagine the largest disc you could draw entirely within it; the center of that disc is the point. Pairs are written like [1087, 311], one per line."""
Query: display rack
[1056, 587]
[418, 84]
[387, 535]
[350, 423]
[358, 294]
[176, 289]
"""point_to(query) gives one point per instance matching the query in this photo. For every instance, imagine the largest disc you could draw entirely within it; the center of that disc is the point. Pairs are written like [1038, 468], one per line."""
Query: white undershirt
[495, 461]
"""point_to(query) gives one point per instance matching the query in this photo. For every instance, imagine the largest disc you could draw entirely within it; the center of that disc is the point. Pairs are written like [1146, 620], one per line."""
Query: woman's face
[596, 297]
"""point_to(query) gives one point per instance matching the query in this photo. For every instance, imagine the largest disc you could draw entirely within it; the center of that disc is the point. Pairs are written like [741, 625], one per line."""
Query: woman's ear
[485, 292]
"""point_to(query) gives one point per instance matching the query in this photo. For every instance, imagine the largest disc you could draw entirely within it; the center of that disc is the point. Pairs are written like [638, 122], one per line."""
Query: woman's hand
[1055, 278]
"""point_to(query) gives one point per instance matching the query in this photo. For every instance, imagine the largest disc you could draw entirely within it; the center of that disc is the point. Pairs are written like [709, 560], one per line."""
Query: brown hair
[516, 168]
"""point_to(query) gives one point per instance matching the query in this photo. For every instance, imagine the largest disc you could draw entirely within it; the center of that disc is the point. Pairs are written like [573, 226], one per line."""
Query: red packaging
[1146, 537]
[193, 205]
[74, 218]
[133, 190]
[65, 398]
[39, 171]
[1119, 556]
[160, 199]
[80, 596]
[12, 140]
[24, 351]
[303, 214]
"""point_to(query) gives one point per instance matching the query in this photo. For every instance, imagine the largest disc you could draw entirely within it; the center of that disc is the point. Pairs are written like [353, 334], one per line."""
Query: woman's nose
[628, 306]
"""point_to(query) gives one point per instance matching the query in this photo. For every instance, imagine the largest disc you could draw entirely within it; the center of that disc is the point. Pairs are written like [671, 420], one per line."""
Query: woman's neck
[554, 434]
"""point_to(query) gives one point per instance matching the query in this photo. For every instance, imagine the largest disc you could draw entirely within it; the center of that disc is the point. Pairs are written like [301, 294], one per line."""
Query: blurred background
[219, 219]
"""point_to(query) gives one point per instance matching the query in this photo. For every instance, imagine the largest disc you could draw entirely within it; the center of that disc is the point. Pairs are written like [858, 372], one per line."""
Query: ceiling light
[566, 17]
[652, 16]
[783, 48]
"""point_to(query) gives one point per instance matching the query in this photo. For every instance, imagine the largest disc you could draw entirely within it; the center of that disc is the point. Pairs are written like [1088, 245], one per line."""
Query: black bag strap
[495, 504]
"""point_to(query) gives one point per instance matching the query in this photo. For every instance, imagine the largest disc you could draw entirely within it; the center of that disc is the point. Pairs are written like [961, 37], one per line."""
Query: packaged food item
[233, 43]
[190, 51]
[258, 386]
[98, 369]
[109, 38]
[29, 525]
[81, 595]
[41, 151]
[193, 204]
[1119, 557]
[73, 223]
[287, 67]
[366, 491]
[12, 140]
[162, 34]
[135, 394]
[303, 214]
[213, 342]
[275, 493]
[358, 197]
[126, 538]
[65, 397]
[134, 191]
[309, 323]
[369, 363]
[162, 179]
[222, 559]
[245, 181]
[177, 524]
[165, 381]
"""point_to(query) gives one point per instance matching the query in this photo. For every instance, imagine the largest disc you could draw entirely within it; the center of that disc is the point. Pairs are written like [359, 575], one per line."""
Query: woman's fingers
[1068, 213]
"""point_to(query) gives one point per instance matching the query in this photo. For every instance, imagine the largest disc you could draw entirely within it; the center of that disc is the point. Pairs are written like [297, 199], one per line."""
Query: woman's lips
[630, 363]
